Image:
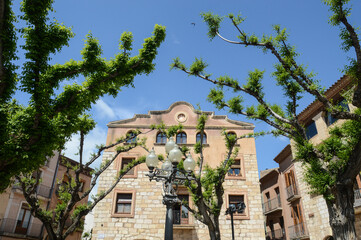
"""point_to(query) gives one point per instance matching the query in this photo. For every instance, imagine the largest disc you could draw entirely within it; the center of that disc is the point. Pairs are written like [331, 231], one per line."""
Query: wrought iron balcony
[278, 234]
[292, 193]
[298, 231]
[272, 205]
[12, 227]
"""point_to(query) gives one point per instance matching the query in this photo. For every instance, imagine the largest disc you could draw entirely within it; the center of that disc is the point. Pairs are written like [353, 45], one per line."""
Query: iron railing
[12, 226]
[298, 231]
[272, 204]
[278, 234]
[291, 190]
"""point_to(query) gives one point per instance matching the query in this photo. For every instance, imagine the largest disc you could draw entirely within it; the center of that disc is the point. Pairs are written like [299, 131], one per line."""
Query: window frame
[162, 138]
[133, 139]
[133, 174]
[242, 173]
[114, 204]
[118, 164]
[205, 140]
[238, 216]
[181, 133]
[309, 127]
[190, 225]
[180, 206]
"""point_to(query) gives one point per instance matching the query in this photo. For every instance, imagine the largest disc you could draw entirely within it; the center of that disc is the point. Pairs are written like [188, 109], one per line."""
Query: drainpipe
[51, 190]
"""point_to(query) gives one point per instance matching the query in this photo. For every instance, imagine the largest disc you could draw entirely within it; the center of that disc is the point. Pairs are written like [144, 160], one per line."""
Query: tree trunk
[213, 229]
[342, 214]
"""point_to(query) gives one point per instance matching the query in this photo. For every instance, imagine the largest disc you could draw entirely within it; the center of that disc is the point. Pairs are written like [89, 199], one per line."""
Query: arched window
[198, 138]
[231, 134]
[181, 138]
[131, 137]
[161, 137]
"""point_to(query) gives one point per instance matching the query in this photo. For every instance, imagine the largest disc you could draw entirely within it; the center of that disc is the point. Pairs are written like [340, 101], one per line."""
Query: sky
[306, 22]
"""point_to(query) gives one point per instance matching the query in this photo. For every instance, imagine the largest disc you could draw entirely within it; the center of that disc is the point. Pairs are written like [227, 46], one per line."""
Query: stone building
[290, 211]
[16, 221]
[134, 209]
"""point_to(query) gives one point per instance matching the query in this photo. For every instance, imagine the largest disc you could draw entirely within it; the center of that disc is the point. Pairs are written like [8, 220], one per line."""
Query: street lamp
[170, 175]
[239, 208]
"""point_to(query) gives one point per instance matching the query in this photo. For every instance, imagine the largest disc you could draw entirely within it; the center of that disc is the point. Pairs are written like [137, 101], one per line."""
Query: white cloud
[123, 113]
[96, 137]
[104, 110]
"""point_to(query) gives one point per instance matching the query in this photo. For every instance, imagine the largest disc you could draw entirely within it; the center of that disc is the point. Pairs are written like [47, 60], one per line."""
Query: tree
[332, 166]
[28, 133]
[206, 188]
[69, 213]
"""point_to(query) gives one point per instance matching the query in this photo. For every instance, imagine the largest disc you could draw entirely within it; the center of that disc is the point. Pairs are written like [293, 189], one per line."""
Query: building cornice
[344, 83]
[119, 123]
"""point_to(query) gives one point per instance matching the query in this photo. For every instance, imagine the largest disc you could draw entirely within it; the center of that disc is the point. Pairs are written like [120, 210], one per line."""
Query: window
[123, 203]
[161, 138]
[181, 138]
[296, 214]
[131, 137]
[180, 212]
[236, 199]
[235, 169]
[311, 130]
[291, 186]
[125, 162]
[22, 223]
[82, 183]
[198, 138]
[328, 117]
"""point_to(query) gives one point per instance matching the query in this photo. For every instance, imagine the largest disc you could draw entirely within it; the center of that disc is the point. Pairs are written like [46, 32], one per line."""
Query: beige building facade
[16, 220]
[304, 215]
[134, 210]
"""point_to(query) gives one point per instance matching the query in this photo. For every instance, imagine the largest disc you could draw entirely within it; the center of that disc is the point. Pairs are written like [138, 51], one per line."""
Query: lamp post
[239, 207]
[170, 175]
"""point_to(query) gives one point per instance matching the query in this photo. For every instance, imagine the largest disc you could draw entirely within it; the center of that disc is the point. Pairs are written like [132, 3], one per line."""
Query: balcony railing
[357, 196]
[278, 234]
[272, 205]
[292, 192]
[298, 231]
[10, 226]
[42, 190]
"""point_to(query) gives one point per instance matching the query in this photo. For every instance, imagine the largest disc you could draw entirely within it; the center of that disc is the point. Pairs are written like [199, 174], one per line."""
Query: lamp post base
[169, 201]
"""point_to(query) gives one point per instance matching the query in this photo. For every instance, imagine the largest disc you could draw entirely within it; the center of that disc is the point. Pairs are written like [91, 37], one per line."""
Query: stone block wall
[149, 212]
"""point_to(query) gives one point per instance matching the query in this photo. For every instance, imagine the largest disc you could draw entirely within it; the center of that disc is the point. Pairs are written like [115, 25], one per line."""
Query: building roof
[285, 152]
[267, 172]
[160, 112]
[332, 92]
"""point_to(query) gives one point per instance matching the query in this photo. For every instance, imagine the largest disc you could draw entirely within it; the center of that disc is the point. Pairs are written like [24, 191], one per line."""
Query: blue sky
[306, 22]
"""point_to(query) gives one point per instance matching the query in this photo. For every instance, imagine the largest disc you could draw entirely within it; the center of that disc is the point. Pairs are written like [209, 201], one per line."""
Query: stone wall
[149, 216]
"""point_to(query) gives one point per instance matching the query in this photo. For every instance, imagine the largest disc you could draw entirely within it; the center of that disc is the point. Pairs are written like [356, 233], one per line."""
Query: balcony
[298, 231]
[292, 193]
[19, 229]
[272, 205]
[357, 196]
[43, 191]
[278, 234]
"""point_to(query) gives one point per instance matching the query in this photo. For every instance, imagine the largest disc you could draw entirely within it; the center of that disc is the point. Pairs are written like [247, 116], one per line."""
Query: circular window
[181, 117]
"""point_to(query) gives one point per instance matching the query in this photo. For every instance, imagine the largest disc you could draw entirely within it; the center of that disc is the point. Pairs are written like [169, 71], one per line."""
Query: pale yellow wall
[148, 221]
